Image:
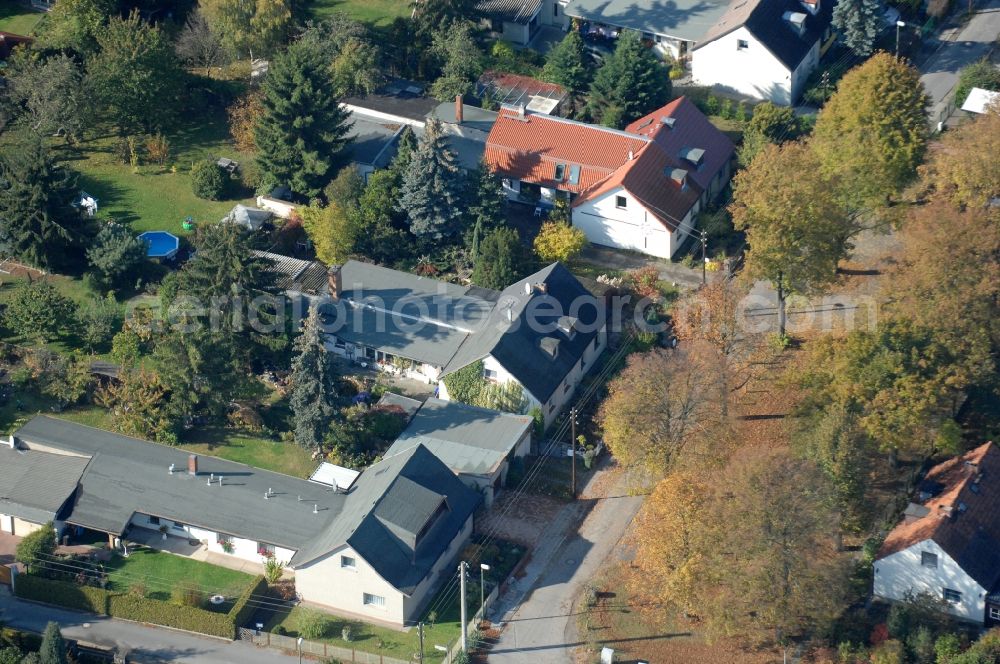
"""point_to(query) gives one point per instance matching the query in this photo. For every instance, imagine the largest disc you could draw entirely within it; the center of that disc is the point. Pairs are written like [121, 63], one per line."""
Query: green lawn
[161, 572]
[229, 444]
[374, 12]
[16, 18]
[258, 452]
[372, 638]
[154, 197]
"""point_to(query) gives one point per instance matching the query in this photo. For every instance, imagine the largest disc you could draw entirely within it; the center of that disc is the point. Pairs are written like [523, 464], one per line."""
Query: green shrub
[187, 596]
[273, 569]
[39, 544]
[208, 180]
[131, 606]
[313, 624]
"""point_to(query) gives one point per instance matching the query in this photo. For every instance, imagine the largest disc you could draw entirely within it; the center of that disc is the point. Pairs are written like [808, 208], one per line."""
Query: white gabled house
[764, 48]
[948, 545]
[377, 548]
[544, 332]
[637, 189]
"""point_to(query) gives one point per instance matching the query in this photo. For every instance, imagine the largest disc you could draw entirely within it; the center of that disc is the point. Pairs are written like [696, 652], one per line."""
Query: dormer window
[797, 20]
[678, 175]
[567, 325]
[693, 155]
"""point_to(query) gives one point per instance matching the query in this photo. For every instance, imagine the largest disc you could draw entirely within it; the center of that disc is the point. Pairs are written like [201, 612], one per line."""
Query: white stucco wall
[554, 13]
[901, 574]
[328, 583]
[243, 549]
[6, 523]
[632, 227]
[444, 568]
[753, 71]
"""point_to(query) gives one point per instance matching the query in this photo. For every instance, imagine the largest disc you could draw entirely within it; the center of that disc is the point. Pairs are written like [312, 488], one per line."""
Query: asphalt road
[541, 629]
[145, 644]
[971, 43]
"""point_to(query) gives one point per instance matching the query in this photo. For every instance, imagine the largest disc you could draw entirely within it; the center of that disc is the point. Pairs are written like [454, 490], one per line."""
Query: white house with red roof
[638, 188]
[948, 544]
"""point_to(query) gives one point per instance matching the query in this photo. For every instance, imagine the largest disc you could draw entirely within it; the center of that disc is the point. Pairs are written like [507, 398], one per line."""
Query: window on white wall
[374, 600]
[490, 374]
[742, 44]
[995, 613]
[621, 202]
[951, 596]
[347, 562]
[928, 559]
[154, 520]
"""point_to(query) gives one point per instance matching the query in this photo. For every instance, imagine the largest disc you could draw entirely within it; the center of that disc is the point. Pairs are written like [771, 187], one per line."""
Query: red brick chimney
[459, 109]
[333, 280]
[193, 464]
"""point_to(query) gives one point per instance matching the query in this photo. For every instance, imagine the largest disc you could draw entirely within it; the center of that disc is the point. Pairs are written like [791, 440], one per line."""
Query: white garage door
[22, 527]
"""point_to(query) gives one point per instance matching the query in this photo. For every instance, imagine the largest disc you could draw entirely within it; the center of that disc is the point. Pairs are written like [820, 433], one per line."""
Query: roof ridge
[575, 123]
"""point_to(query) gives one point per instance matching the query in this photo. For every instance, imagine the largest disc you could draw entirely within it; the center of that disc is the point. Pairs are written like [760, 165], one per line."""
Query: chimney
[333, 280]
[520, 111]
[12, 443]
[542, 287]
[631, 156]
[459, 109]
[193, 464]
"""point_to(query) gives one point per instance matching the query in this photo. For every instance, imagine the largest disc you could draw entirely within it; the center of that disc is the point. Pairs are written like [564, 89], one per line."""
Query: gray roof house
[543, 332]
[403, 518]
[476, 443]
[35, 488]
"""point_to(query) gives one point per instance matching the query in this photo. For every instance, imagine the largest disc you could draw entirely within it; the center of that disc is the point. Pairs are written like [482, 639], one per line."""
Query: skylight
[574, 174]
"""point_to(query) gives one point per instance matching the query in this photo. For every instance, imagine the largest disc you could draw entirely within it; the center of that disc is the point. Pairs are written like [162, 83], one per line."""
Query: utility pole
[704, 254]
[420, 635]
[572, 442]
[461, 578]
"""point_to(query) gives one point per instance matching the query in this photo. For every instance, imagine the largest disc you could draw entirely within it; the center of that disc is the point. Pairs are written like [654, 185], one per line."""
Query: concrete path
[956, 49]
[541, 629]
[145, 644]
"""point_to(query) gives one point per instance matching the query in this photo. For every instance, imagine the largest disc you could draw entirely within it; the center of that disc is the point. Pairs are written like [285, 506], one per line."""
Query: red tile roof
[691, 129]
[638, 159]
[529, 148]
[964, 516]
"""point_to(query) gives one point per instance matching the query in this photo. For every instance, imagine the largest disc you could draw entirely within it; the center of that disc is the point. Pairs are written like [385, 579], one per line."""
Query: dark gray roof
[521, 339]
[296, 274]
[399, 99]
[473, 117]
[467, 439]
[390, 504]
[373, 141]
[127, 475]
[688, 20]
[765, 20]
[408, 405]
[513, 11]
[418, 318]
[35, 485]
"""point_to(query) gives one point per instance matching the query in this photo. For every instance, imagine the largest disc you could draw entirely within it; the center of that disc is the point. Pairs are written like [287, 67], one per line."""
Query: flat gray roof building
[686, 20]
[467, 439]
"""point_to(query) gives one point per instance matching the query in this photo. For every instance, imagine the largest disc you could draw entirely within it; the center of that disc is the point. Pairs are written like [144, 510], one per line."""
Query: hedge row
[243, 609]
[140, 609]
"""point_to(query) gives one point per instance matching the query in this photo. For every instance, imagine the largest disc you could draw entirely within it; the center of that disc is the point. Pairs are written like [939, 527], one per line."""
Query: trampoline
[160, 244]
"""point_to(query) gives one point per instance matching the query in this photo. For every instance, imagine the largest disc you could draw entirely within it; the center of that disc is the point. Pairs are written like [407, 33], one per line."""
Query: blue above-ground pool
[161, 244]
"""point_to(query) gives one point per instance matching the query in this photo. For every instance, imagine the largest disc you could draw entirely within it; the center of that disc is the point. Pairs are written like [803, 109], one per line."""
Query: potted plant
[227, 546]
[163, 531]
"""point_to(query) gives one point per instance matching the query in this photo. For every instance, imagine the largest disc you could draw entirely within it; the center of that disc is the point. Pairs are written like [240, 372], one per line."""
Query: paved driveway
[969, 44]
[541, 629]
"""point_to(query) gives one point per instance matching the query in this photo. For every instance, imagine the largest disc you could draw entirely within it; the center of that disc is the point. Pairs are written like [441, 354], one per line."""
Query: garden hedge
[140, 609]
